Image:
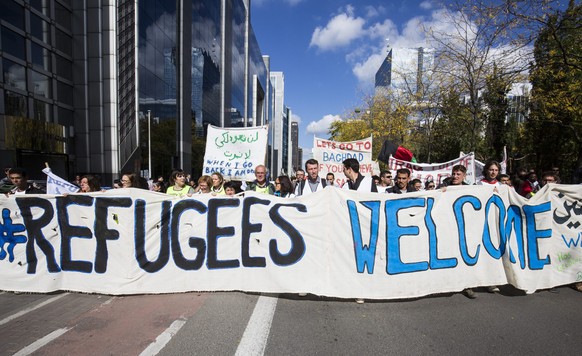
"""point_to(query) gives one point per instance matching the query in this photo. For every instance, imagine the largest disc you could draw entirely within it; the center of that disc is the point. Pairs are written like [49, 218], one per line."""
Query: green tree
[495, 100]
[554, 129]
[450, 134]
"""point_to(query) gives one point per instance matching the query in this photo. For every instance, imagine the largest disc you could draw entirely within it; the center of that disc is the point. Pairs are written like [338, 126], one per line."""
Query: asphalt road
[508, 323]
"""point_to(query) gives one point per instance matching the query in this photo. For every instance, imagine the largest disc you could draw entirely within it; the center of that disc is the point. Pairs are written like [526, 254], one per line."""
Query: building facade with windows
[82, 78]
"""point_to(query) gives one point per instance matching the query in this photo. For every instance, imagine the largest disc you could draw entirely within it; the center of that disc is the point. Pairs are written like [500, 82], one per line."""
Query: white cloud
[426, 5]
[322, 126]
[295, 117]
[372, 11]
[366, 71]
[340, 31]
[293, 2]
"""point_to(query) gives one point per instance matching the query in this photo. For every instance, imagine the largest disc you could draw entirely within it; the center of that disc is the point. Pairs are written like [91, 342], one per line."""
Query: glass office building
[80, 79]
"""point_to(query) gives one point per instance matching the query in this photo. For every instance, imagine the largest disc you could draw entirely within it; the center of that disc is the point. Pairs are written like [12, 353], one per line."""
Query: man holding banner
[356, 181]
[314, 182]
[401, 182]
[260, 184]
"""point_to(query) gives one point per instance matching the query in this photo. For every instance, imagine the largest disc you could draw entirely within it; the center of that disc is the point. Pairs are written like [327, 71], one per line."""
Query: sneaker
[469, 293]
[492, 289]
[360, 301]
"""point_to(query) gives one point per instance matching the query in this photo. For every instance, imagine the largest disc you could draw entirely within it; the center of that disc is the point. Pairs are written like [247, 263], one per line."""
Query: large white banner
[331, 154]
[336, 242]
[436, 172]
[235, 152]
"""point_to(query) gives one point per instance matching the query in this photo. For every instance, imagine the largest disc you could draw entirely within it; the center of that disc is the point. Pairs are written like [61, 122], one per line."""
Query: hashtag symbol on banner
[9, 235]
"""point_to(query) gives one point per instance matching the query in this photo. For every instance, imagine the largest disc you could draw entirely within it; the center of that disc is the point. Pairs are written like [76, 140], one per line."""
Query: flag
[57, 185]
[390, 148]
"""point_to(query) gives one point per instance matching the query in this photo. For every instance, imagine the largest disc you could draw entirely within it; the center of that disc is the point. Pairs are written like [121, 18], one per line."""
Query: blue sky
[329, 50]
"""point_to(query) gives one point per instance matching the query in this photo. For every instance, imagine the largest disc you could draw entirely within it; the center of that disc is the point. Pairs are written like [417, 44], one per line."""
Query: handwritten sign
[435, 172]
[235, 152]
[336, 242]
[331, 154]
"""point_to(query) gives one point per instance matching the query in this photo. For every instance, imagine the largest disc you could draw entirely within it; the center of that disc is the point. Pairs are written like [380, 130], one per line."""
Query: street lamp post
[149, 144]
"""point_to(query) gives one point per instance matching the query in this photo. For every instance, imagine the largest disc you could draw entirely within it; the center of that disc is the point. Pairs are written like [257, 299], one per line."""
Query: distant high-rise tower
[295, 146]
[280, 127]
[405, 69]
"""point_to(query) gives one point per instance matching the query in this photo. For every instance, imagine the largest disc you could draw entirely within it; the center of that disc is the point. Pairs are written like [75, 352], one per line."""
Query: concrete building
[80, 79]
[281, 160]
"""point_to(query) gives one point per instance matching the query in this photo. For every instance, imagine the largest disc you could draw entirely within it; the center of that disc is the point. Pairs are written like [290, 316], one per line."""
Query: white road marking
[28, 310]
[41, 342]
[255, 337]
[155, 347]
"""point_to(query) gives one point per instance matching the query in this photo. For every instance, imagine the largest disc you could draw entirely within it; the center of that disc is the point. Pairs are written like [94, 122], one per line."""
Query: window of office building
[13, 43]
[40, 56]
[39, 28]
[41, 84]
[64, 93]
[14, 104]
[14, 74]
[42, 111]
[64, 116]
[40, 5]
[64, 42]
[64, 67]
[63, 16]
[12, 13]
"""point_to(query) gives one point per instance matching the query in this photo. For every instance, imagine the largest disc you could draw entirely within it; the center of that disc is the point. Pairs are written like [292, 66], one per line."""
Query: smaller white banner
[436, 172]
[235, 152]
[57, 185]
[331, 154]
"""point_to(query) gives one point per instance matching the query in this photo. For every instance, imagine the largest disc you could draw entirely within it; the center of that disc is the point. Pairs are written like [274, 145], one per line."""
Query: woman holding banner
[284, 187]
[217, 184]
[178, 187]
[89, 184]
[204, 184]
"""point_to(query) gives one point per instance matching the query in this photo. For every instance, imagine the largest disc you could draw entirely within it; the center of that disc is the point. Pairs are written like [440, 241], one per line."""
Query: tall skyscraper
[296, 162]
[280, 128]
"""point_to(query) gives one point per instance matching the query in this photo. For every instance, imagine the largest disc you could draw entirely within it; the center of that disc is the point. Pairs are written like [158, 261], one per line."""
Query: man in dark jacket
[401, 182]
[19, 178]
